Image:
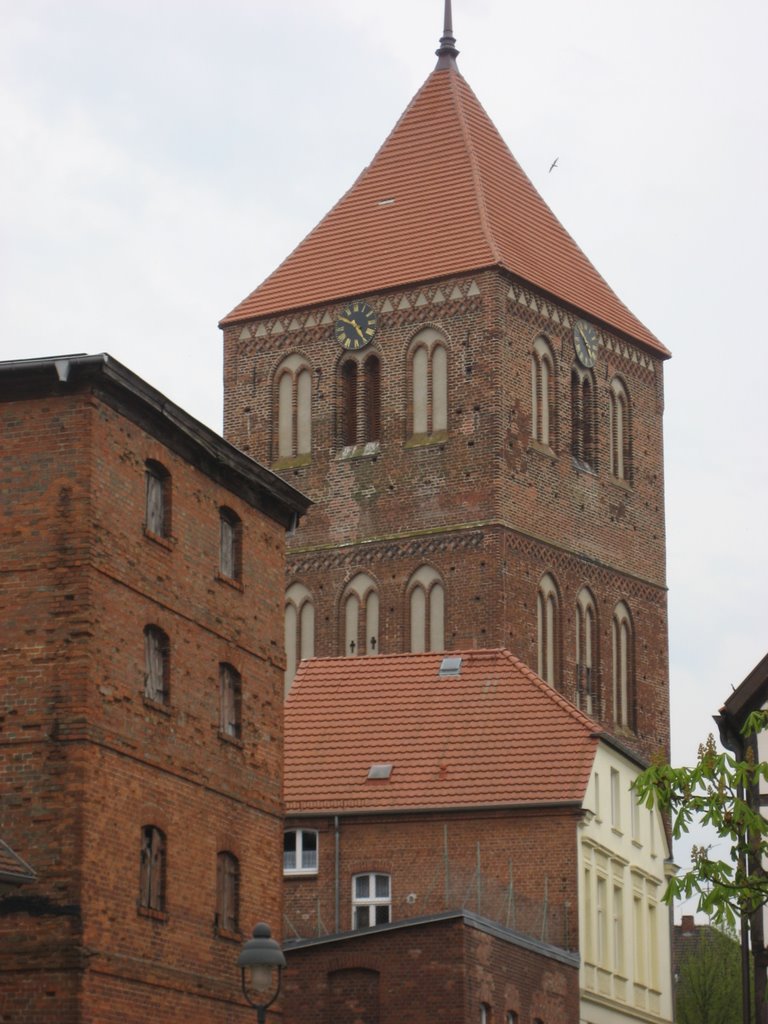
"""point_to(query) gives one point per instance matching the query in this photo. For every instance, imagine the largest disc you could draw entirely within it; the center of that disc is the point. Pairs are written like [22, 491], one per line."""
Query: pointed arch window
[548, 622]
[293, 426]
[620, 431]
[427, 610]
[586, 653]
[360, 413]
[583, 418]
[299, 629]
[623, 667]
[542, 392]
[360, 608]
[428, 360]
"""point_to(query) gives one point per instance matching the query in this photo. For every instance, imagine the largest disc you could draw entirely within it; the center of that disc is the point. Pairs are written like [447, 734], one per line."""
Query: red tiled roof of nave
[458, 201]
[495, 735]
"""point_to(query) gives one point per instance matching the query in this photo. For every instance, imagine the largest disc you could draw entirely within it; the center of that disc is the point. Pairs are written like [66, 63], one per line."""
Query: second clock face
[585, 342]
[355, 325]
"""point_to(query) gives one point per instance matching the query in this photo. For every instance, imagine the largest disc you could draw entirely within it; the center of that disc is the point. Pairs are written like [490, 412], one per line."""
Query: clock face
[355, 325]
[585, 342]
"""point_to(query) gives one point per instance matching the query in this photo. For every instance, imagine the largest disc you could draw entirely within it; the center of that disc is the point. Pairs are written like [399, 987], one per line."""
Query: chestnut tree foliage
[714, 792]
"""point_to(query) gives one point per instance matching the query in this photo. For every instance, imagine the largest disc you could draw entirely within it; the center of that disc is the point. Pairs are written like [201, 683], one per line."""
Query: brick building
[419, 785]
[141, 719]
[477, 417]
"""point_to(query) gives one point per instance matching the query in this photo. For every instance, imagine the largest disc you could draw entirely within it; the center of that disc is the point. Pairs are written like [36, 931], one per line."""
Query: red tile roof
[456, 201]
[494, 735]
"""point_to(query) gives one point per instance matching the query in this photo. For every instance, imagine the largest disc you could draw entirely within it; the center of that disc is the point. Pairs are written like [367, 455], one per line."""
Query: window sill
[583, 467]
[637, 844]
[427, 440]
[616, 831]
[153, 915]
[156, 705]
[292, 462]
[300, 872]
[229, 581]
[624, 485]
[541, 449]
[370, 449]
[227, 935]
[164, 542]
[234, 741]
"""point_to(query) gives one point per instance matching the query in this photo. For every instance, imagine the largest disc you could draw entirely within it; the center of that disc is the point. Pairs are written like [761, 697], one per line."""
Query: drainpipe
[337, 891]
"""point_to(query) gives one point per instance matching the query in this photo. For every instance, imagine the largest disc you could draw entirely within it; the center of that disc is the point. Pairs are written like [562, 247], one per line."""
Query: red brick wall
[484, 507]
[85, 761]
[434, 971]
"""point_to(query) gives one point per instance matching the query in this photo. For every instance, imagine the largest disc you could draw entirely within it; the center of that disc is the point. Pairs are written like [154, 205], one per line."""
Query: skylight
[450, 667]
[380, 771]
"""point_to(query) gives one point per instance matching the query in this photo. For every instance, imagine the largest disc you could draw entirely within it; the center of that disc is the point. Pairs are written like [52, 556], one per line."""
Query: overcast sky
[158, 158]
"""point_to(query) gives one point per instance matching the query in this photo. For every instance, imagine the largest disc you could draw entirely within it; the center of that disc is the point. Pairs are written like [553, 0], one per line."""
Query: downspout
[336, 879]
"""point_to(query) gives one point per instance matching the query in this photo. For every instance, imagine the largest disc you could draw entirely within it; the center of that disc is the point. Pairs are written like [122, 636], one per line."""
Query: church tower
[477, 417]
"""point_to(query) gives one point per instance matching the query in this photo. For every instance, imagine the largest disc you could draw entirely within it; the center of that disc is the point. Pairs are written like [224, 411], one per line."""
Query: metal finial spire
[447, 53]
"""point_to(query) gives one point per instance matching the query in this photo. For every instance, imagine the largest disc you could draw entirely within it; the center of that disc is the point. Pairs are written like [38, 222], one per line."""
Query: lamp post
[260, 955]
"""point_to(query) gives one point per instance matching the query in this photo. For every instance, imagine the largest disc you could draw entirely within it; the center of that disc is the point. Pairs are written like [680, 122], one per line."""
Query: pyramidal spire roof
[443, 196]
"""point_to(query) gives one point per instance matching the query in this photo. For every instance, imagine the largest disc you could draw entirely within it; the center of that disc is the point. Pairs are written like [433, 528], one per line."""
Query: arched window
[360, 604]
[157, 664]
[586, 653]
[542, 392]
[429, 384]
[583, 418]
[152, 869]
[360, 412]
[230, 702]
[548, 620]
[293, 384]
[623, 667]
[427, 611]
[230, 544]
[157, 515]
[227, 892]
[619, 431]
[299, 629]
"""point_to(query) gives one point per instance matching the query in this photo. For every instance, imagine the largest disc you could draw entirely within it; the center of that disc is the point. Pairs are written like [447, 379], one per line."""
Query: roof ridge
[589, 723]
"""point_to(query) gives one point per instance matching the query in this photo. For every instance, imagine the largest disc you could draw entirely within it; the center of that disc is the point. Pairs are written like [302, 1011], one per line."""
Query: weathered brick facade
[484, 504]
[432, 969]
[87, 761]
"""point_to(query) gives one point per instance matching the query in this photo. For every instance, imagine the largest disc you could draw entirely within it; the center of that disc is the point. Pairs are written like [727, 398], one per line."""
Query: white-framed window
[293, 390]
[300, 850]
[542, 392]
[299, 629]
[485, 1013]
[548, 616]
[360, 608]
[429, 384]
[371, 900]
[427, 610]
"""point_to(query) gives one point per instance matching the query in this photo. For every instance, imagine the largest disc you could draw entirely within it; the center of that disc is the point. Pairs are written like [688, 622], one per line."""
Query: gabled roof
[494, 735]
[443, 196]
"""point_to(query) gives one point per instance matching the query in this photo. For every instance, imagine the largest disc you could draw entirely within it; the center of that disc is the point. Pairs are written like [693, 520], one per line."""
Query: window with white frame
[371, 900]
[300, 847]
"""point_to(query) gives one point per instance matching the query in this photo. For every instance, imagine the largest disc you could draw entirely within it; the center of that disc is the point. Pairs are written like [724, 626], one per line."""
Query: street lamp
[260, 955]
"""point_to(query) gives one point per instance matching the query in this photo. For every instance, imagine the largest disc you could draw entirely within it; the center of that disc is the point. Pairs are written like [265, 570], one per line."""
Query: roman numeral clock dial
[355, 325]
[585, 342]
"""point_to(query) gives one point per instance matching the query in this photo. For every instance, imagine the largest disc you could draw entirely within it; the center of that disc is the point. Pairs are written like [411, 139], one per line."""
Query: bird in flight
[553, 165]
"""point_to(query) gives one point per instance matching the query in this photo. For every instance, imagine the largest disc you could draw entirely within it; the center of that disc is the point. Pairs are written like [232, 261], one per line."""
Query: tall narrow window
[360, 413]
[615, 799]
[618, 929]
[152, 869]
[586, 653]
[427, 610]
[230, 698]
[360, 604]
[157, 518]
[227, 892]
[230, 544]
[583, 422]
[623, 667]
[542, 392]
[157, 656]
[548, 616]
[294, 408]
[429, 384]
[371, 900]
[602, 922]
[619, 431]
[299, 629]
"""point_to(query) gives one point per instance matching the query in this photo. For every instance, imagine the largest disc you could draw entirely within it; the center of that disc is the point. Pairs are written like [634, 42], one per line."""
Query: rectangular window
[300, 851]
[227, 892]
[640, 940]
[230, 533]
[152, 869]
[157, 512]
[156, 664]
[635, 816]
[485, 1013]
[230, 689]
[615, 799]
[371, 900]
[602, 923]
[618, 929]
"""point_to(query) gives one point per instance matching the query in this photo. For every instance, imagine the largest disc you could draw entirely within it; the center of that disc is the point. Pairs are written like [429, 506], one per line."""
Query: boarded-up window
[156, 664]
[157, 514]
[230, 690]
[230, 544]
[227, 892]
[152, 869]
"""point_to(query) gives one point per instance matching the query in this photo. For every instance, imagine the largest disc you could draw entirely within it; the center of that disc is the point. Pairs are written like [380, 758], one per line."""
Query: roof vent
[380, 771]
[385, 202]
[450, 667]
